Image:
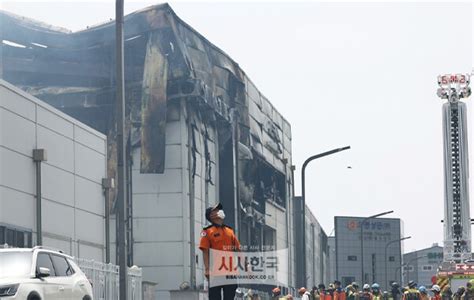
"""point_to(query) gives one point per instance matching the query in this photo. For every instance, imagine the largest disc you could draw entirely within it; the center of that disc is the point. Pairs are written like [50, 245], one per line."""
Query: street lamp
[386, 247]
[362, 240]
[303, 205]
[410, 261]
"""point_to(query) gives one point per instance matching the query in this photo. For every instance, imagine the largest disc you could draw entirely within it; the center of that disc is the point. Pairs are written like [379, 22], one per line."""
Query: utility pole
[121, 163]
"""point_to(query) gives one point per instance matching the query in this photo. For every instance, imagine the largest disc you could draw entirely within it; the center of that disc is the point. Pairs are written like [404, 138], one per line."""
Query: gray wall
[73, 202]
[377, 233]
[422, 264]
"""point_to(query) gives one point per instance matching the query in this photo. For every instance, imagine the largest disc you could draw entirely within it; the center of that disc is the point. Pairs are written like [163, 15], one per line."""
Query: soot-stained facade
[199, 132]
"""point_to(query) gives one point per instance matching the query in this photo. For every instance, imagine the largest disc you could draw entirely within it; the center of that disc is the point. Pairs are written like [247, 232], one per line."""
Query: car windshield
[15, 264]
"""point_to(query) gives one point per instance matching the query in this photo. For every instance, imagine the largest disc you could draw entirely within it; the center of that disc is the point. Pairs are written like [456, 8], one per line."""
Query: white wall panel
[60, 149]
[54, 122]
[17, 132]
[17, 171]
[58, 218]
[17, 104]
[89, 139]
[57, 184]
[158, 254]
[158, 205]
[158, 230]
[89, 163]
[17, 208]
[89, 196]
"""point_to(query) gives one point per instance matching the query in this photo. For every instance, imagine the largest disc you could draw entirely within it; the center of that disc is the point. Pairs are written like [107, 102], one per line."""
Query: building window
[14, 237]
[352, 258]
[391, 258]
[427, 268]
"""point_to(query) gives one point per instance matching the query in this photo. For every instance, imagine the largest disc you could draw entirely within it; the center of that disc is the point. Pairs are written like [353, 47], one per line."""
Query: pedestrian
[330, 292]
[249, 295]
[423, 293]
[469, 293]
[339, 293]
[305, 295]
[376, 294]
[436, 292]
[385, 295]
[459, 293]
[412, 292]
[218, 236]
[289, 297]
[365, 294]
[352, 291]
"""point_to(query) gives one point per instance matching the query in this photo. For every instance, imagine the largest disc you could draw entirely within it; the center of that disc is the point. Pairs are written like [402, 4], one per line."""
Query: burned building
[199, 132]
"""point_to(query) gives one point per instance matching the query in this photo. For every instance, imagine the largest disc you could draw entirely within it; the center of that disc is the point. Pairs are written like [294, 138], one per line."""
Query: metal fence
[105, 280]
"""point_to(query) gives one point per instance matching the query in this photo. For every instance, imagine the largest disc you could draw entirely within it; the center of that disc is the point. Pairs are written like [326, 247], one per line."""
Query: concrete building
[199, 132]
[71, 177]
[332, 257]
[316, 252]
[377, 233]
[422, 265]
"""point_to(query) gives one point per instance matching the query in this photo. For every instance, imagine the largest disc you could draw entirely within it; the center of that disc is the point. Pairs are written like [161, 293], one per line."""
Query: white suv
[41, 274]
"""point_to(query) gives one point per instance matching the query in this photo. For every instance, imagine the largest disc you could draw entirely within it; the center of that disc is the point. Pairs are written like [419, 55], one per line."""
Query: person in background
[412, 292]
[459, 293]
[322, 291]
[352, 291]
[423, 293]
[395, 291]
[330, 292]
[385, 295]
[305, 295]
[289, 297]
[314, 293]
[276, 293]
[376, 294]
[365, 294]
[436, 292]
[339, 293]
[469, 293]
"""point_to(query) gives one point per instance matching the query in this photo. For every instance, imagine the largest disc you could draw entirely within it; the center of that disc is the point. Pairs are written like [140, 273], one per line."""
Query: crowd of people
[412, 291]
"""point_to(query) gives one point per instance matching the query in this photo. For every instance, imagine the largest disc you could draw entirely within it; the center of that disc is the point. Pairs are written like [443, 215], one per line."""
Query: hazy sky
[358, 74]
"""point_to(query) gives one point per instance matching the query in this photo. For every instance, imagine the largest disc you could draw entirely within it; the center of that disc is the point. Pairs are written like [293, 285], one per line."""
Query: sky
[358, 74]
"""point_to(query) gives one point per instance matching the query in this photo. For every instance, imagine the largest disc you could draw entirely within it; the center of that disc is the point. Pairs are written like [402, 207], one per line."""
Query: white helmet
[366, 287]
[435, 288]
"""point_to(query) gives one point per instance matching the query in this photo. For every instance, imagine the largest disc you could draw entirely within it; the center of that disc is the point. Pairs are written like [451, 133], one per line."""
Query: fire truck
[458, 266]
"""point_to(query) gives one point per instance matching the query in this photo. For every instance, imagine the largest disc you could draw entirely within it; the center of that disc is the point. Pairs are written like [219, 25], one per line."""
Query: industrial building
[199, 131]
[71, 170]
[422, 265]
[381, 247]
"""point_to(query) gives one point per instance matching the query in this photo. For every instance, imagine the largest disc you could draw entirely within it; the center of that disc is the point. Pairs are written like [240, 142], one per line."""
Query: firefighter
[330, 292]
[365, 294]
[376, 294]
[411, 293]
[352, 291]
[218, 236]
[469, 293]
[322, 291]
[437, 292]
[314, 293]
[423, 293]
[395, 291]
[339, 293]
[276, 293]
[305, 295]
[459, 293]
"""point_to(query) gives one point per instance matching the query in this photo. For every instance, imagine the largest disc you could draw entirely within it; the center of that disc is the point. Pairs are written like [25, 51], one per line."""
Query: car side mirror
[43, 272]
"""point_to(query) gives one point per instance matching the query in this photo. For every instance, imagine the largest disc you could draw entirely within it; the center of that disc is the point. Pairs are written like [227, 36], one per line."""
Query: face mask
[221, 214]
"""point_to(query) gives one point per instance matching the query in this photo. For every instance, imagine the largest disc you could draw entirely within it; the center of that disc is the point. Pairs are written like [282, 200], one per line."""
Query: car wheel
[86, 298]
[34, 296]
